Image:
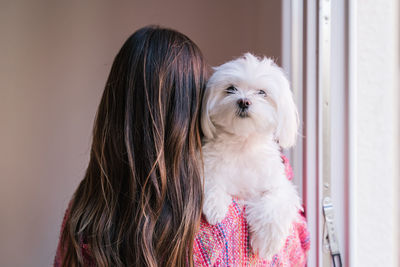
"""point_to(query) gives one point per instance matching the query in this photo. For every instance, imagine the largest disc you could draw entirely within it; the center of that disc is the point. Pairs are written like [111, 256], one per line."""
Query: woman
[140, 201]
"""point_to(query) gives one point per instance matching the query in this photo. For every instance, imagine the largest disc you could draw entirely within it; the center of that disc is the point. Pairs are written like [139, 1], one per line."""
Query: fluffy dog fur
[248, 113]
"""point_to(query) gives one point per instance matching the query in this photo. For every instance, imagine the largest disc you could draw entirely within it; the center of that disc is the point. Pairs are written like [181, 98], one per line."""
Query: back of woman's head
[140, 200]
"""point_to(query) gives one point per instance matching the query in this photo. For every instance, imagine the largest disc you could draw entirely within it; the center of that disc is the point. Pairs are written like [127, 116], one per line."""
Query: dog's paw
[216, 215]
[268, 241]
[215, 209]
[270, 220]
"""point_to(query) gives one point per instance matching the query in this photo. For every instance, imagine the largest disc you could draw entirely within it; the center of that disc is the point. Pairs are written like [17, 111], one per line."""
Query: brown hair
[140, 201]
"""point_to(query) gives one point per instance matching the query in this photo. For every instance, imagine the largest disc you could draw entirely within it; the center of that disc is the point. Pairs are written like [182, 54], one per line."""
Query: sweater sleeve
[60, 247]
[58, 259]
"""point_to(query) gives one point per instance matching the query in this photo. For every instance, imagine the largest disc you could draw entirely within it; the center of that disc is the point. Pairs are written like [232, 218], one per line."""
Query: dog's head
[249, 95]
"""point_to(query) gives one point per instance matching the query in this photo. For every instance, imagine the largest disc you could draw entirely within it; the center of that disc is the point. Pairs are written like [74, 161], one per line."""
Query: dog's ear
[207, 126]
[287, 115]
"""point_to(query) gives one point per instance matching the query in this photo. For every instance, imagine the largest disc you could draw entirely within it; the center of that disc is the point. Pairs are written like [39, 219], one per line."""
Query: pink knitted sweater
[227, 243]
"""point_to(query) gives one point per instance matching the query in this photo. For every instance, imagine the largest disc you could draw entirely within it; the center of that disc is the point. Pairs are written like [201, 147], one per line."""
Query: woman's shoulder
[228, 244]
[214, 244]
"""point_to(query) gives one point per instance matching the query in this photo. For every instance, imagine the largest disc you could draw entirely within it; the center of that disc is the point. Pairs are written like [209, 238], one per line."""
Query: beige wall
[54, 59]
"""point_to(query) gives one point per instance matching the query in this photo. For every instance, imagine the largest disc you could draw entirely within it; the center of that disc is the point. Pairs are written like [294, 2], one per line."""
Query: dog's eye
[262, 92]
[231, 89]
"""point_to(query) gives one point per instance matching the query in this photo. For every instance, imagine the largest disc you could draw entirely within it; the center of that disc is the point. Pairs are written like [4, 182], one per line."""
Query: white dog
[248, 113]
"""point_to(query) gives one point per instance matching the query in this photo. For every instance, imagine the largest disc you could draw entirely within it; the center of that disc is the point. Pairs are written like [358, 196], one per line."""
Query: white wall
[54, 59]
[377, 189]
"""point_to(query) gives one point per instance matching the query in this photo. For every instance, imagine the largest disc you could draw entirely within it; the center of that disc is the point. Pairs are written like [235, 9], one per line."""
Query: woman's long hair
[140, 201]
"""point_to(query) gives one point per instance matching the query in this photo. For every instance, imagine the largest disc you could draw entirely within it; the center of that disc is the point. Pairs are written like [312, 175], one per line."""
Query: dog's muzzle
[243, 107]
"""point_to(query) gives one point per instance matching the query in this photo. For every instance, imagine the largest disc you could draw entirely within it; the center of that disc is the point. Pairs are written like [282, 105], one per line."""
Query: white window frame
[300, 59]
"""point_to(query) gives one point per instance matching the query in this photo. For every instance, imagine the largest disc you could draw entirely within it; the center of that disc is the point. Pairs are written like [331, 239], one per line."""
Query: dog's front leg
[270, 218]
[216, 202]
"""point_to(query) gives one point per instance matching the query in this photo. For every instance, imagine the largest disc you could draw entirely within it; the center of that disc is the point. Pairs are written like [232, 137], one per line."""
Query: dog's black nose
[243, 103]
